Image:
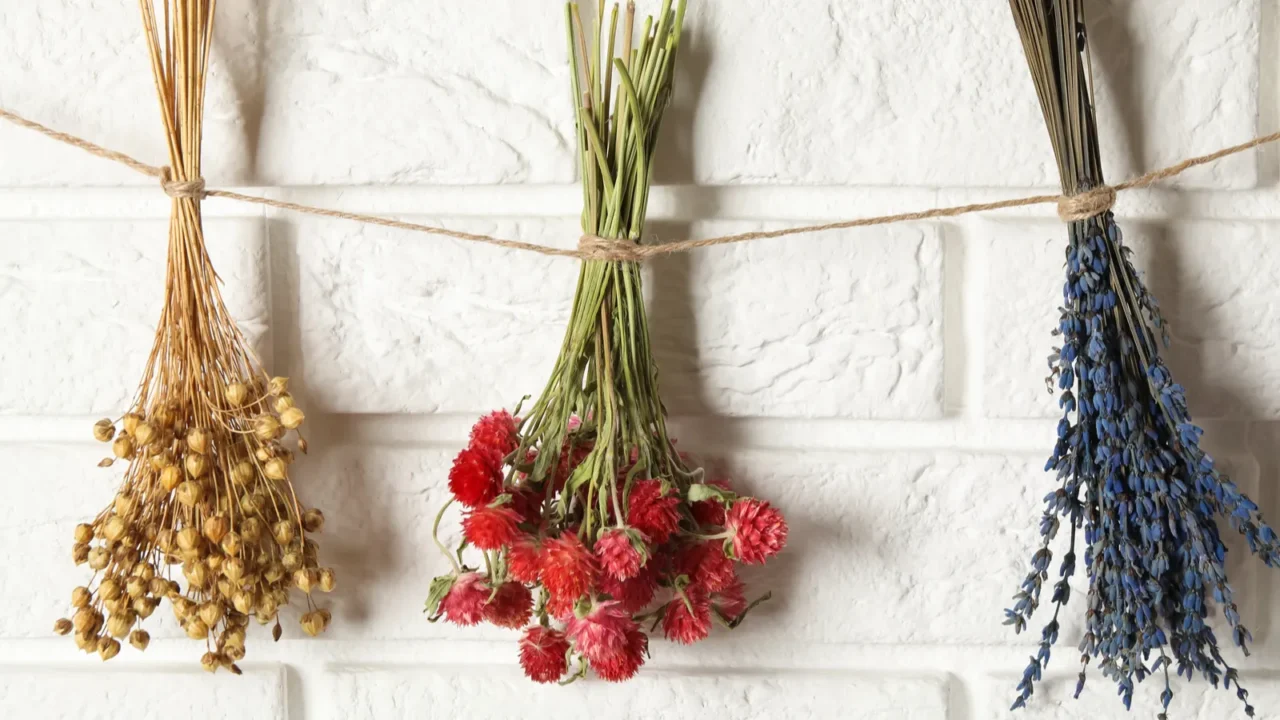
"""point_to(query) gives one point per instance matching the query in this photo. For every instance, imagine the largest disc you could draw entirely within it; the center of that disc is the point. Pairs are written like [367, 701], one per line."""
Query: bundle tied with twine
[1138, 497]
[206, 490]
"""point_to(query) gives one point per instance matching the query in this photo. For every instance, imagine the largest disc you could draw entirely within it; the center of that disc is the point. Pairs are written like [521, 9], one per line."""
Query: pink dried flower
[491, 528]
[544, 654]
[688, 616]
[653, 512]
[759, 530]
[464, 605]
[618, 554]
[510, 607]
[475, 479]
[602, 632]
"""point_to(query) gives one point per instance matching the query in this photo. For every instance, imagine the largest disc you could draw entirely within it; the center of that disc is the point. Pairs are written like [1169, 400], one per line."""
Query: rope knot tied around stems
[1087, 204]
[594, 247]
[176, 189]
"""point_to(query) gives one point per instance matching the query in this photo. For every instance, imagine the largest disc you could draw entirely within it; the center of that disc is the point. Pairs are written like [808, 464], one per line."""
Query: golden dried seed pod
[275, 469]
[231, 544]
[250, 504]
[136, 587]
[242, 473]
[109, 589]
[302, 446]
[143, 607]
[314, 623]
[196, 629]
[282, 403]
[80, 554]
[86, 642]
[216, 528]
[225, 588]
[262, 454]
[285, 532]
[328, 580]
[196, 573]
[237, 394]
[189, 538]
[251, 530]
[63, 627]
[140, 639]
[170, 478]
[233, 569]
[190, 493]
[86, 620]
[274, 573]
[234, 653]
[144, 571]
[131, 422]
[197, 465]
[144, 434]
[158, 587]
[303, 579]
[243, 601]
[165, 539]
[266, 609]
[104, 430]
[198, 441]
[291, 561]
[161, 460]
[81, 597]
[292, 418]
[163, 417]
[266, 428]
[210, 613]
[122, 447]
[278, 386]
[313, 521]
[84, 533]
[118, 625]
[125, 505]
[114, 528]
[210, 662]
[234, 638]
[99, 558]
[108, 648]
[182, 607]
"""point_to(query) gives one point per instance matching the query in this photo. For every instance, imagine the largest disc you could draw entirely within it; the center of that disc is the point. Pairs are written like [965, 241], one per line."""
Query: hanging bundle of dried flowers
[207, 488]
[587, 520]
[1133, 476]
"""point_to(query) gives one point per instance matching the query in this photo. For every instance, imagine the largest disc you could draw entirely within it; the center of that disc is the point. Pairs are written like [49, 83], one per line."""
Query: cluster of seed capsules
[663, 554]
[206, 496]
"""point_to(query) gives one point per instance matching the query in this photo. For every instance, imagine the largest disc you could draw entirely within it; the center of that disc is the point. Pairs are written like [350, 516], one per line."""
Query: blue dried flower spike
[1134, 479]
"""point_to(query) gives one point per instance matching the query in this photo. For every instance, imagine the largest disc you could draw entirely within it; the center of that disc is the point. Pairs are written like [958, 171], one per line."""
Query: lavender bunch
[1131, 471]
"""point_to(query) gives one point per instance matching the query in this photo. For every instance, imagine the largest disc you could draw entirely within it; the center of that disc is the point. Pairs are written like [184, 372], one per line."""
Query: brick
[83, 67]
[96, 288]
[396, 324]
[482, 693]
[1211, 279]
[33, 693]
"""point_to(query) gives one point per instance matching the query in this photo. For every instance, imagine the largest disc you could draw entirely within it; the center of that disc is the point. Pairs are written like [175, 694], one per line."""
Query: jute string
[1071, 208]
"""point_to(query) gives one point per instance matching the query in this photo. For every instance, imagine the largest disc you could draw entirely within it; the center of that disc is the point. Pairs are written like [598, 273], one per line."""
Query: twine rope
[1071, 208]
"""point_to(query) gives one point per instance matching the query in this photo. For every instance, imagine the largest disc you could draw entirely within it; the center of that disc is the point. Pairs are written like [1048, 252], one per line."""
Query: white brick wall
[884, 387]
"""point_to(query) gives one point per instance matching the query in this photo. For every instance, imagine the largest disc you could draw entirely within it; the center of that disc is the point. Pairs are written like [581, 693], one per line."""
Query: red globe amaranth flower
[688, 616]
[510, 607]
[759, 530]
[623, 664]
[732, 600]
[523, 560]
[603, 632]
[710, 513]
[569, 461]
[495, 434]
[544, 654]
[636, 593]
[491, 528]
[464, 605]
[568, 571]
[706, 565]
[475, 479]
[617, 556]
[652, 513]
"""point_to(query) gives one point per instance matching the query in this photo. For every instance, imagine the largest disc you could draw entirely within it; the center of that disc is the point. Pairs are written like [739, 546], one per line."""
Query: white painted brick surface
[494, 693]
[143, 693]
[883, 386]
[89, 293]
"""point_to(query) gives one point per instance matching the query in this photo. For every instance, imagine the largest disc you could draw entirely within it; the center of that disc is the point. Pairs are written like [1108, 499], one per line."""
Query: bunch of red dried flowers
[592, 529]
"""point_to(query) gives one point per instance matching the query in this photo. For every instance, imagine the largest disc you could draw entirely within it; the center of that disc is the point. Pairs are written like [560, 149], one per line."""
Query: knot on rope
[1087, 204]
[193, 189]
[594, 247]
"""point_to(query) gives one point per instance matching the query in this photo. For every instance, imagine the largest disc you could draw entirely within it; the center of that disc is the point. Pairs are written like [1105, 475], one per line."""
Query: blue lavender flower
[1134, 479]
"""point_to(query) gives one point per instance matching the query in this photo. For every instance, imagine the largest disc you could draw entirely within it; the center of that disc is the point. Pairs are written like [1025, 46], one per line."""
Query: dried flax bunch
[207, 488]
[1132, 474]
[587, 524]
